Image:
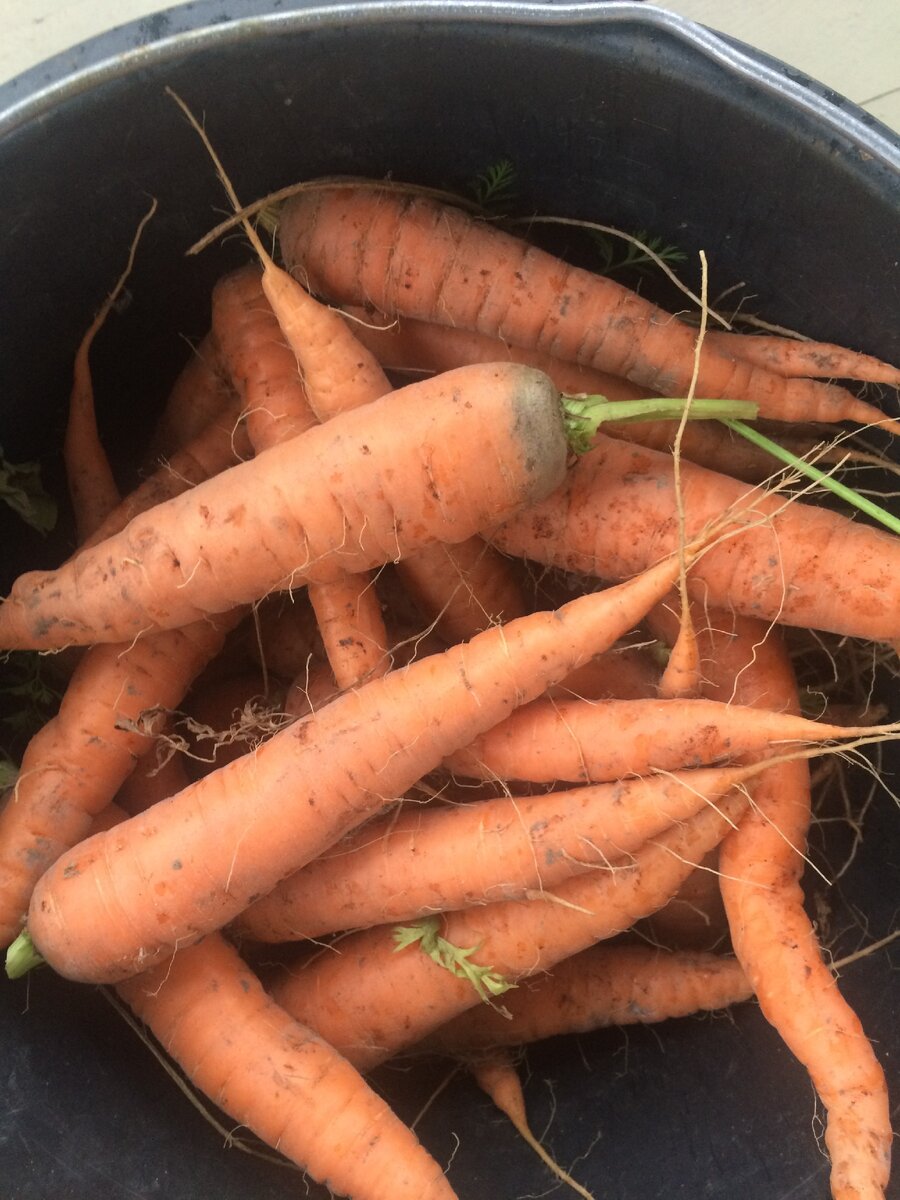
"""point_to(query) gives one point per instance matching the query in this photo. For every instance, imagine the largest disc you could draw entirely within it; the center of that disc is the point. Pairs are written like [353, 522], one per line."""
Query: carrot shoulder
[369, 487]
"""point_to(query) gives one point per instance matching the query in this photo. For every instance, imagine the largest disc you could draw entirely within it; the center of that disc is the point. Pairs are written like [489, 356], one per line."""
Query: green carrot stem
[585, 414]
[863, 503]
[22, 957]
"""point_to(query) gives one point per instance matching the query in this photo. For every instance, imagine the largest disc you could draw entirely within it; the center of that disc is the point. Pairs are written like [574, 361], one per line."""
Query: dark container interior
[615, 112]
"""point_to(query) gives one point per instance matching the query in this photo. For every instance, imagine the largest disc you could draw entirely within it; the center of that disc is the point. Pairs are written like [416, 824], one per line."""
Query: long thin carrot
[792, 567]
[604, 985]
[419, 258]
[318, 778]
[276, 1077]
[369, 487]
[413, 863]
[795, 358]
[603, 740]
[774, 939]
[92, 486]
[371, 999]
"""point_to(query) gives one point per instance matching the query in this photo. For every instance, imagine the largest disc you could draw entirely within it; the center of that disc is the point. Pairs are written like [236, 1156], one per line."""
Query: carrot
[603, 740]
[318, 778]
[775, 941]
[261, 366]
[793, 357]
[407, 864]
[372, 996]
[276, 1077]
[791, 567]
[264, 372]
[219, 444]
[74, 765]
[418, 258]
[496, 1075]
[149, 782]
[405, 344]
[92, 487]
[622, 673]
[196, 398]
[300, 513]
[604, 985]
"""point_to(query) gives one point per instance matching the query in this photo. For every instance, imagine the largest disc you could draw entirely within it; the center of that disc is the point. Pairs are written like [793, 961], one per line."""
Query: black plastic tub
[616, 111]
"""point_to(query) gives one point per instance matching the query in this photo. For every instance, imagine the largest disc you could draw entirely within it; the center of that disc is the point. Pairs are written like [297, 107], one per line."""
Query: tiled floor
[851, 45]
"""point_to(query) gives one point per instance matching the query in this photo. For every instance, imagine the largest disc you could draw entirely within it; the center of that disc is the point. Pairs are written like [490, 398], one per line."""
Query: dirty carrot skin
[369, 487]
[598, 741]
[790, 566]
[167, 883]
[409, 864]
[762, 864]
[371, 1001]
[267, 1072]
[407, 254]
[604, 985]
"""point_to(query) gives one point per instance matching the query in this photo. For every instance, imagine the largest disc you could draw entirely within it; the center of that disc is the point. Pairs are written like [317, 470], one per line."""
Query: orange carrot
[408, 864]
[92, 486]
[418, 258]
[603, 740]
[74, 765]
[276, 1077]
[774, 939]
[319, 778]
[371, 999]
[196, 398]
[792, 565]
[793, 357]
[604, 985]
[301, 511]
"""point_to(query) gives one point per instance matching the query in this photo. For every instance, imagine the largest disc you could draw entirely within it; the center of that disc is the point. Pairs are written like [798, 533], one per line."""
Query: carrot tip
[22, 957]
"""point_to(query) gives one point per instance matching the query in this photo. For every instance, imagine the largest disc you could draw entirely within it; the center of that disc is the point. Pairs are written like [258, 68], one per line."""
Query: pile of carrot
[388, 674]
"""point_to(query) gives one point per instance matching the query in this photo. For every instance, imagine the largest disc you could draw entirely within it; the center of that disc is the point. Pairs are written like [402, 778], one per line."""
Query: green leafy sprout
[495, 188]
[486, 982]
[613, 261]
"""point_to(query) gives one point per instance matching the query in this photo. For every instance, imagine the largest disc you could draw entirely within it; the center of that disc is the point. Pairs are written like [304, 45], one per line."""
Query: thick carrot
[407, 254]
[371, 1000]
[371, 486]
[603, 740]
[604, 985]
[276, 1077]
[791, 565]
[166, 882]
[774, 939]
[415, 862]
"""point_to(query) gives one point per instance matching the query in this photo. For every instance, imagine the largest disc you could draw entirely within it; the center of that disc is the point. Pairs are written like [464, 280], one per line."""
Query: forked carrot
[796, 358]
